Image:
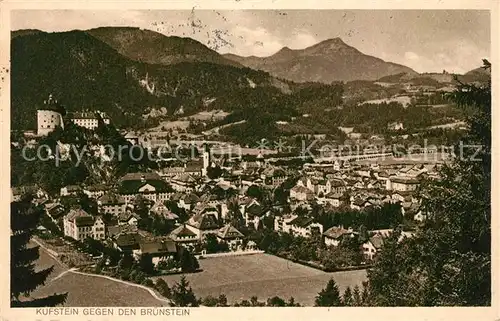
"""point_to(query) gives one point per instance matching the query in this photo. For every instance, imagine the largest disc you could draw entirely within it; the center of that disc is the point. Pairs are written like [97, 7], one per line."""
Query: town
[207, 203]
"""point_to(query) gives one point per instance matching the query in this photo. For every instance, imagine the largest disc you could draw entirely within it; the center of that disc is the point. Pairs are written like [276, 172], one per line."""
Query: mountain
[477, 75]
[328, 61]
[83, 72]
[155, 48]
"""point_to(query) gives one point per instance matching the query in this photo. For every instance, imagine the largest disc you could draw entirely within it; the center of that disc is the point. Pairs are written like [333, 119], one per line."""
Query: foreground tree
[183, 295]
[329, 296]
[23, 278]
[448, 262]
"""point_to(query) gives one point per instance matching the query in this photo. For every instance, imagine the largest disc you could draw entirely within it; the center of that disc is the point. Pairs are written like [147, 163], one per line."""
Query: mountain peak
[330, 44]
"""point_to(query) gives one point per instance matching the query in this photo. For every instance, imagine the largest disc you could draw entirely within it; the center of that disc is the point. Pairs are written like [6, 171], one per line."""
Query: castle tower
[49, 117]
[206, 160]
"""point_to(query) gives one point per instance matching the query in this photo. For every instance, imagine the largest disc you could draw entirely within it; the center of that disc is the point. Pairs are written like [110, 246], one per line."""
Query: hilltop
[325, 62]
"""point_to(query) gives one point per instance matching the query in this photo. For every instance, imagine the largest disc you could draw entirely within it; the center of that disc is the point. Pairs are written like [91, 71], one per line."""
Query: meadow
[264, 276]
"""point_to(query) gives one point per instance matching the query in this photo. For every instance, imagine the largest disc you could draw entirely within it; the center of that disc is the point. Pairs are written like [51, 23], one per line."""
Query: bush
[125, 275]
[149, 283]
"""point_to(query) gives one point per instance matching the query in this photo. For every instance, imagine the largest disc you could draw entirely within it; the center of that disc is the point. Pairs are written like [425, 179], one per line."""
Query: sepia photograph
[249, 158]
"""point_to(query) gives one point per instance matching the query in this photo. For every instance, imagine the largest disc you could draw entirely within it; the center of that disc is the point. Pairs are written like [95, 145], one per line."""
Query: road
[89, 290]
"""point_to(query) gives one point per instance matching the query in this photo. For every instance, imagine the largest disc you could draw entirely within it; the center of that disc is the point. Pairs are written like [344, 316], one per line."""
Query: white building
[48, 117]
[334, 235]
[305, 227]
[79, 225]
[149, 185]
[89, 119]
[402, 184]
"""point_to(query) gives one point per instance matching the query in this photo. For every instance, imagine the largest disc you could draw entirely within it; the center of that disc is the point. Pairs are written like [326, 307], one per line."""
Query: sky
[425, 40]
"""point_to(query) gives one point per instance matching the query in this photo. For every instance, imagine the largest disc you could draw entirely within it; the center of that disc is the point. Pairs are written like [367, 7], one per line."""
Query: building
[95, 191]
[202, 224]
[158, 248]
[70, 190]
[148, 185]
[127, 241]
[334, 199]
[18, 192]
[89, 119]
[183, 183]
[184, 235]
[402, 184]
[373, 246]
[132, 138]
[128, 218]
[206, 160]
[301, 193]
[305, 226]
[334, 235]
[231, 236]
[282, 223]
[112, 204]
[49, 117]
[79, 225]
[159, 208]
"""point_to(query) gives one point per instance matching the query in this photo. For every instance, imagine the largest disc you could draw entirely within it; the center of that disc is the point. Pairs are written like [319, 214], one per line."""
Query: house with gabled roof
[148, 185]
[231, 236]
[305, 226]
[158, 248]
[282, 223]
[334, 235]
[402, 184]
[111, 203]
[183, 235]
[55, 211]
[336, 186]
[334, 199]
[373, 246]
[127, 241]
[189, 201]
[183, 182]
[301, 193]
[254, 213]
[203, 224]
[79, 225]
[159, 208]
[128, 218]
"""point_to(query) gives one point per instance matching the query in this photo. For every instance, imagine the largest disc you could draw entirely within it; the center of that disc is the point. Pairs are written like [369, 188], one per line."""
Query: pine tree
[146, 263]
[356, 296]
[23, 278]
[329, 296]
[162, 287]
[182, 294]
[365, 296]
[188, 262]
[347, 298]
[126, 262]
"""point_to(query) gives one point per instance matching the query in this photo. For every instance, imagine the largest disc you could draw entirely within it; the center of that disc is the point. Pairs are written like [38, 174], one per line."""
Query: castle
[49, 117]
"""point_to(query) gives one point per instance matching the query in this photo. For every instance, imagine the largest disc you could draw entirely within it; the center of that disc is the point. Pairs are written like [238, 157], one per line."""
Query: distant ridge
[327, 61]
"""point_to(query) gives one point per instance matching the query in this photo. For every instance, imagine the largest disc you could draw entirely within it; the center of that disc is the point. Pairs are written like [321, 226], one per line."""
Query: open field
[263, 275]
[90, 291]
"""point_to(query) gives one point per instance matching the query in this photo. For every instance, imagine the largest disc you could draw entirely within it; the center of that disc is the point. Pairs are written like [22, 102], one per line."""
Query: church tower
[206, 159]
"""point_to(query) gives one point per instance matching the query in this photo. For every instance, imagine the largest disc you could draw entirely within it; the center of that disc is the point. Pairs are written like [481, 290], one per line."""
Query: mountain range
[127, 72]
[328, 61]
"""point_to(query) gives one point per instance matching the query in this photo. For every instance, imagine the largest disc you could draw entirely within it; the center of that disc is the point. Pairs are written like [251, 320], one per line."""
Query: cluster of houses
[363, 187]
[207, 201]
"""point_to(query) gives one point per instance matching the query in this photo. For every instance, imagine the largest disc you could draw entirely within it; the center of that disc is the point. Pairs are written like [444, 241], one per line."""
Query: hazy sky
[425, 40]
